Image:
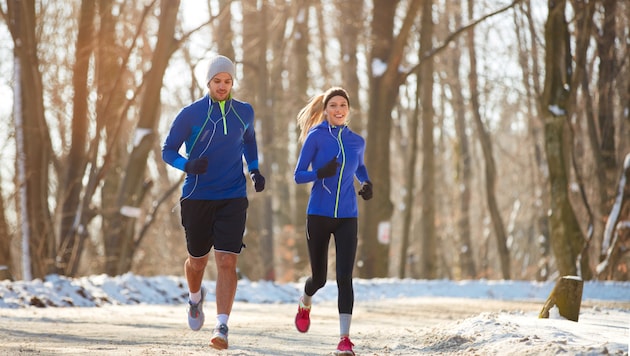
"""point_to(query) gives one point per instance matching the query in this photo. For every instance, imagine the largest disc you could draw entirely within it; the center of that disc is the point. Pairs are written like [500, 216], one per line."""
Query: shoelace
[194, 310]
[222, 329]
[345, 344]
[303, 312]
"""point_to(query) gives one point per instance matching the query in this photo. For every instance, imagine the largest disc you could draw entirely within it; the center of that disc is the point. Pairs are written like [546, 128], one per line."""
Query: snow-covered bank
[59, 291]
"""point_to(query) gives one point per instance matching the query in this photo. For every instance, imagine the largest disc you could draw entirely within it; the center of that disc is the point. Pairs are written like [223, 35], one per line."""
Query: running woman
[331, 157]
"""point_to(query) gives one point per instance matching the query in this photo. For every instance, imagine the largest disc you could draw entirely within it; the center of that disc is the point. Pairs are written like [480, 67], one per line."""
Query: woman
[331, 156]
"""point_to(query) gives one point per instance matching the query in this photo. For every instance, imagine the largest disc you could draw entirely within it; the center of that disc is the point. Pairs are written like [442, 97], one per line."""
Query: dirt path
[256, 329]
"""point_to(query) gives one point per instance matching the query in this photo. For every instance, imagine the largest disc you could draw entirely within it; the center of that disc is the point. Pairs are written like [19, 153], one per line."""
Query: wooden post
[567, 295]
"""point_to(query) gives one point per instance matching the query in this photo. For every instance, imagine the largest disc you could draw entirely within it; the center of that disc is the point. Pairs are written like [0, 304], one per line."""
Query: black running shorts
[214, 223]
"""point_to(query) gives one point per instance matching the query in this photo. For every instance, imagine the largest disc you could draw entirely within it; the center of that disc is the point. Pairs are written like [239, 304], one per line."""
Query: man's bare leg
[193, 269]
[226, 281]
[225, 292]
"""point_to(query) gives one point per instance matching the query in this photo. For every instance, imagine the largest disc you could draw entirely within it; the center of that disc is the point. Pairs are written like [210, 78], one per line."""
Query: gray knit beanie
[218, 65]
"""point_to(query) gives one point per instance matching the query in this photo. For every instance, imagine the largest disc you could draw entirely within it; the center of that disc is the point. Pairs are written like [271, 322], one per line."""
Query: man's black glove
[258, 179]
[196, 166]
[329, 170]
[366, 190]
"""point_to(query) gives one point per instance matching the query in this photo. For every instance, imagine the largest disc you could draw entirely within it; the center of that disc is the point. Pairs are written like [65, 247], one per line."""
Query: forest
[498, 132]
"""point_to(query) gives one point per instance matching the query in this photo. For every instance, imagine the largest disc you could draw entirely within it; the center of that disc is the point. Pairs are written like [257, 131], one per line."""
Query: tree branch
[454, 35]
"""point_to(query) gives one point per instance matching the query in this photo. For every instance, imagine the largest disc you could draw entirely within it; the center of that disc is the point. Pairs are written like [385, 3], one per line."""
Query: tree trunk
[255, 73]
[5, 242]
[467, 266]
[110, 123]
[410, 182]
[384, 88]
[224, 29]
[607, 72]
[566, 237]
[120, 249]
[349, 33]
[71, 244]
[268, 35]
[616, 236]
[36, 150]
[372, 255]
[606, 153]
[254, 268]
[529, 59]
[490, 168]
[430, 262]
[299, 73]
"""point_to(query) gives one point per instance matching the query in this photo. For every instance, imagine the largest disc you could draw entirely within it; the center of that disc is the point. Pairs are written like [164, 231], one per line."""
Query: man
[217, 131]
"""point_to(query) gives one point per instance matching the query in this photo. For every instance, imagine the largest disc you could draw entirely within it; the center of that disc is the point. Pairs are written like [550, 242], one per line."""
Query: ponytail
[311, 115]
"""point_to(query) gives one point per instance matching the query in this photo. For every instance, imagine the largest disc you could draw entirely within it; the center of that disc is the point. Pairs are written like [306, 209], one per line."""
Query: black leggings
[318, 231]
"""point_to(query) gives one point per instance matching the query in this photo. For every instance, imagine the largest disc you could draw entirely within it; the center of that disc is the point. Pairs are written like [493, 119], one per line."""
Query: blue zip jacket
[223, 132]
[333, 196]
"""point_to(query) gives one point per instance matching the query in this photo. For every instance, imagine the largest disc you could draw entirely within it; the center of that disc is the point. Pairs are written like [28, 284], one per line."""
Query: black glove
[366, 190]
[258, 179]
[196, 166]
[329, 170]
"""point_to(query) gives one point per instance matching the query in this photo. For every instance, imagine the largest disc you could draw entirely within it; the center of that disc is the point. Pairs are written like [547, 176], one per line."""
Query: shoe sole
[218, 343]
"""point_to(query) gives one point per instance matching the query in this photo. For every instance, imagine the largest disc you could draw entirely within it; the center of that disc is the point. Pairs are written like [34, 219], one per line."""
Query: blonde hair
[313, 113]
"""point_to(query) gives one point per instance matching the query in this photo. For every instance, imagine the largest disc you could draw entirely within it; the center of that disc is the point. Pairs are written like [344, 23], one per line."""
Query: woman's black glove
[366, 190]
[196, 166]
[258, 179]
[329, 170]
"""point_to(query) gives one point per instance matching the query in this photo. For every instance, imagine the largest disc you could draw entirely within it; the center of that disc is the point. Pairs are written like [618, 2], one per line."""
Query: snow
[378, 67]
[600, 329]
[556, 110]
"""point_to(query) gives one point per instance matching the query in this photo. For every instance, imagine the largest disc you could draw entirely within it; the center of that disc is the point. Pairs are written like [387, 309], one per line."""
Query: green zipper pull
[222, 106]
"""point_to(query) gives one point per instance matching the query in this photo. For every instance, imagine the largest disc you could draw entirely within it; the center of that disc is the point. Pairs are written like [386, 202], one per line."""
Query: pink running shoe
[345, 347]
[303, 319]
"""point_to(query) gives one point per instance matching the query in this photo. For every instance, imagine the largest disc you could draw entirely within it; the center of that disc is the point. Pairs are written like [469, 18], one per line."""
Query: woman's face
[337, 110]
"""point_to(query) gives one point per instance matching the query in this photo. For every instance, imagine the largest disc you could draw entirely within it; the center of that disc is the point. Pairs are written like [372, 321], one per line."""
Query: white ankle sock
[306, 300]
[195, 297]
[222, 319]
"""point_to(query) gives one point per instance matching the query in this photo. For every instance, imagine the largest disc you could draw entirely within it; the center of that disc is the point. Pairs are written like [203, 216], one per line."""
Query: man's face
[220, 86]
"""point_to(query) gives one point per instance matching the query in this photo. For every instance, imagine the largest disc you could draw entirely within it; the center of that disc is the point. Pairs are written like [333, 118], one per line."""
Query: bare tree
[299, 69]
[387, 49]
[486, 146]
[430, 243]
[464, 160]
[84, 186]
[71, 244]
[256, 35]
[566, 237]
[6, 270]
[528, 58]
[35, 152]
[120, 244]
